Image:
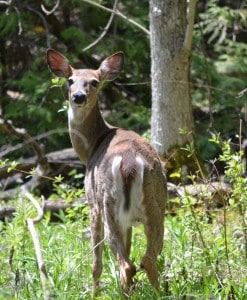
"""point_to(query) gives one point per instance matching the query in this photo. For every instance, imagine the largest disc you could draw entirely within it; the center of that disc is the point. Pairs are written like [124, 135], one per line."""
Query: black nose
[79, 97]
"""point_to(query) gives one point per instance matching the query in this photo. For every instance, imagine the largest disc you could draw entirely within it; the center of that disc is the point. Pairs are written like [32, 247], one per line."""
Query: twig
[19, 20]
[118, 13]
[6, 2]
[105, 29]
[241, 93]
[36, 242]
[49, 12]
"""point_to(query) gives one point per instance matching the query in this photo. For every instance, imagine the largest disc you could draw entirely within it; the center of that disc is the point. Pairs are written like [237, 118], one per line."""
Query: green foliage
[129, 115]
[207, 248]
[219, 71]
[8, 21]
[217, 21]
[234, 173]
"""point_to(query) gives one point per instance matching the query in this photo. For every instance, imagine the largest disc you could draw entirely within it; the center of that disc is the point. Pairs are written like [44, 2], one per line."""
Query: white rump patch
[136, 192]
[141, 165]
[117, 186]
[134, 214]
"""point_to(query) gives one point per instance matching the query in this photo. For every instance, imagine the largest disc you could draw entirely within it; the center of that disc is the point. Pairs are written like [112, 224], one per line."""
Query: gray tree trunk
[171, 26]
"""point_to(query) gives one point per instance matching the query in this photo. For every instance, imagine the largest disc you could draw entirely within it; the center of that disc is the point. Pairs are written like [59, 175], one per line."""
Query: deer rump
[120, 173]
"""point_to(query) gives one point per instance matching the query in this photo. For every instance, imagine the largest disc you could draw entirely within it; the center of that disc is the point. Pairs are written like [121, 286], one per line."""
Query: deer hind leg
[154, 231]
[155, 203]
[128, 236]
[97, 232]
[119, 242]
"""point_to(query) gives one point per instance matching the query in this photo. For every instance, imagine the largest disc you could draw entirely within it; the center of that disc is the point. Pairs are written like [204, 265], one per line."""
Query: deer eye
[94, 83]
[70, 81]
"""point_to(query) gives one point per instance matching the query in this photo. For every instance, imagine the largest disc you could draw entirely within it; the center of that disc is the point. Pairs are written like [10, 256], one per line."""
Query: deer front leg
[119, 242]
[97, 233]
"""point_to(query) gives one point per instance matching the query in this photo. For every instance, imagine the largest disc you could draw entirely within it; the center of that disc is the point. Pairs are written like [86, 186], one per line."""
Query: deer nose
[79, 97]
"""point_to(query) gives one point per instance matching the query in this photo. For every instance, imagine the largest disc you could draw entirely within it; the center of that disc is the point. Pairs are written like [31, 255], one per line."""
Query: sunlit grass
[189, 267]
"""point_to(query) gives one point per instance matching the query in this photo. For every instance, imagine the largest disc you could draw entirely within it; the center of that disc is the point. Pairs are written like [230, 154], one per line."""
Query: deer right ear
[58, 63]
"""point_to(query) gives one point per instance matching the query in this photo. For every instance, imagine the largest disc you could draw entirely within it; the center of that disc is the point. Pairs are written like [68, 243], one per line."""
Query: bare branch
[19, 20]
[105, 29]
[6, 126]
[36, 242]
[29, 140]
[48, 43]
[49, 12]
[6, 2]
[241, 93]
[118, 13]
[40, 209]
[190, 27]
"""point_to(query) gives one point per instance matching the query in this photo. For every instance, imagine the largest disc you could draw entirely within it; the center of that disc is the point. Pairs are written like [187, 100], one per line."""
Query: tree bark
[171, 36]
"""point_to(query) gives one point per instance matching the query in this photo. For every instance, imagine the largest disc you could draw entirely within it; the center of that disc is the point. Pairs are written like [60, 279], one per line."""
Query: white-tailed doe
[125, 184]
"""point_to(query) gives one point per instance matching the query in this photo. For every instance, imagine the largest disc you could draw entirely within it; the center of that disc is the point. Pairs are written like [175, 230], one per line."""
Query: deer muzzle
[79, 98]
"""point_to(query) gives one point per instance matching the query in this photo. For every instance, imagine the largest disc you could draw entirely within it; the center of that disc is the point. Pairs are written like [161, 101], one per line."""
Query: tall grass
[204, 254]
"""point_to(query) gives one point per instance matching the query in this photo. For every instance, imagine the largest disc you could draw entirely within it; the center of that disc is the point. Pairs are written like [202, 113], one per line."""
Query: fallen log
[60, 159]
[59, 163]
[54, 206]
[213, 194]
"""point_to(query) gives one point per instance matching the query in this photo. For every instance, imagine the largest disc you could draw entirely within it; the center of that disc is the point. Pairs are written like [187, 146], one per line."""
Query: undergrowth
[204, 254]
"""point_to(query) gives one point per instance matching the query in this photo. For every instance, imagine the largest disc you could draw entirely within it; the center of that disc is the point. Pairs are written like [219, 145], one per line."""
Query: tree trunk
[171, 36]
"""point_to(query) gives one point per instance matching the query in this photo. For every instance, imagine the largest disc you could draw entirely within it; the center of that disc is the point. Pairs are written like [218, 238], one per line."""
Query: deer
[125, 182]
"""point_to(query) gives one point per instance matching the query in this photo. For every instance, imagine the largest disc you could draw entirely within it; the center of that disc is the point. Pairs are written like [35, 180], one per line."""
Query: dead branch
[42, 165]
[213, 192]
[48, 42]
[119, 14]
[7, 126]
[49, 12]
[36, 242]
[105, 30]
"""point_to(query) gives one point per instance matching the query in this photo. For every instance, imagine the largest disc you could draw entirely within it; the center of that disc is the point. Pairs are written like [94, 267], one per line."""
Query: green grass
[194, 263]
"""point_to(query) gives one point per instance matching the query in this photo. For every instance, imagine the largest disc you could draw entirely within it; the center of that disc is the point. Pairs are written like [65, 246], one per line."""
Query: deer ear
[111, 66]
[58, 63]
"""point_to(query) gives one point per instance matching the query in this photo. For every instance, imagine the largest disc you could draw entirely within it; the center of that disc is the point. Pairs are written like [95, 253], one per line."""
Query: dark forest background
[30, 105]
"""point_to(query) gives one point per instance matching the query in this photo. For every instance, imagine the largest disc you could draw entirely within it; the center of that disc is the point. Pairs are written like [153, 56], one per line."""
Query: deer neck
[86, 127]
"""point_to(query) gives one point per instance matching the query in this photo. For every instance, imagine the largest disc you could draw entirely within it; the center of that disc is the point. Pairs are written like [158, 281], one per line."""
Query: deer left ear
[112, 66]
